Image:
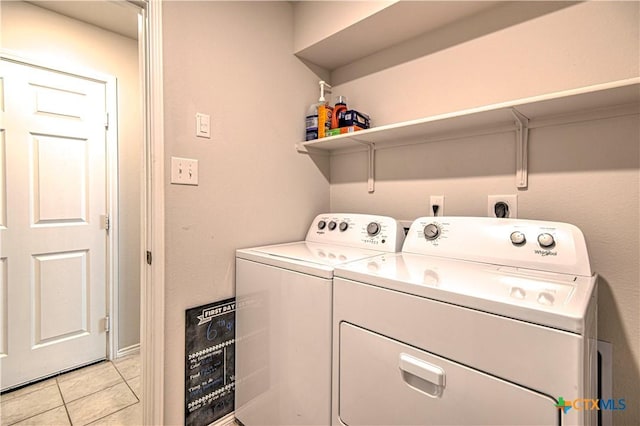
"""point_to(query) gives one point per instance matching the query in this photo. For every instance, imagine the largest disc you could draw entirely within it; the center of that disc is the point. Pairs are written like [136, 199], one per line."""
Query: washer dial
[344, 226]
[373, 229]
[332, 225]
[322, 224]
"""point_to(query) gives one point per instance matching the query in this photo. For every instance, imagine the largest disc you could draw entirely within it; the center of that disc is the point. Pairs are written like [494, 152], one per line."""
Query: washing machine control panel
[381, 233]
[546, 246]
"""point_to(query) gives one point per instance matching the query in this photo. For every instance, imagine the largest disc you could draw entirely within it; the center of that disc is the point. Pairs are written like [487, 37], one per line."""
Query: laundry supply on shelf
[338, 112]
[318, 119]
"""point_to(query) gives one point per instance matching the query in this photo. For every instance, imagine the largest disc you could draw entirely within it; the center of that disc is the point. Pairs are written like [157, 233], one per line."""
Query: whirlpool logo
[581, 404]
[546, 252]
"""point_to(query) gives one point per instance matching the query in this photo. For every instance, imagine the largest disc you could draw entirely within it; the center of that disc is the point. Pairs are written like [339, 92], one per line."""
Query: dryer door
[384, 382]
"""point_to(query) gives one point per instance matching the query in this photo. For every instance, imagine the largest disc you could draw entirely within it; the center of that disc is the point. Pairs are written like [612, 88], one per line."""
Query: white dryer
[283, 318]
[478, 321]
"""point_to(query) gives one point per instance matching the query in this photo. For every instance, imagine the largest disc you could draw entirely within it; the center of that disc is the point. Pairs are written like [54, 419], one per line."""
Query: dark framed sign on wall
[209, 362]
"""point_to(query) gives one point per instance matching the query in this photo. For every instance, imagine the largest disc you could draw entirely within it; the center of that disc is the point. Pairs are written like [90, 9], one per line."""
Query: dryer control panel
[381, 233]
[544, 246]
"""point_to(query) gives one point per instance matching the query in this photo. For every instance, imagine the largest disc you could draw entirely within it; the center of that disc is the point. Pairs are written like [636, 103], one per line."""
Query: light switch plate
[203, 125]
[184, 171]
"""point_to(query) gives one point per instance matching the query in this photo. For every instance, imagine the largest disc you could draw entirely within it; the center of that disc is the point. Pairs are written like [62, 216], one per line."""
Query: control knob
[344, 226]
[332, 225]
[373, 229]
[431, 231]
[322, 224]
[546, 240]
[518, 238]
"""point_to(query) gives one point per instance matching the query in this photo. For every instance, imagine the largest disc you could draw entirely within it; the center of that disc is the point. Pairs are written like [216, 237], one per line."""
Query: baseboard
[129, 350]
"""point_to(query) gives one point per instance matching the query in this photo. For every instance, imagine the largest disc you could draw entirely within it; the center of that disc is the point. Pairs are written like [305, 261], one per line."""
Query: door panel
[60, 198]
[3, 307]
[53, 239]
[3, 180]
[60, 296]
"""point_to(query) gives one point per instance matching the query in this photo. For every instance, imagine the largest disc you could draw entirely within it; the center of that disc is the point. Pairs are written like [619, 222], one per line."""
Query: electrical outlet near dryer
[502, 206]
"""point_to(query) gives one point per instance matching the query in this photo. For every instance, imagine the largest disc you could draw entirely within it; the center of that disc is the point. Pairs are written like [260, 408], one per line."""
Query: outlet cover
[511, 200]
[436, 200]
[184, 171]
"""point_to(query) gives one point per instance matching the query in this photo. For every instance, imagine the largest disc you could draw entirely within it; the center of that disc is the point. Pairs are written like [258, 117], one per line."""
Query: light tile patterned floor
[107, 393]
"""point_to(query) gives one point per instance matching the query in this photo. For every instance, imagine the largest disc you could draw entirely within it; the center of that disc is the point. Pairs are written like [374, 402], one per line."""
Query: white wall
[234, 61]
[39, 34]
[585, 173]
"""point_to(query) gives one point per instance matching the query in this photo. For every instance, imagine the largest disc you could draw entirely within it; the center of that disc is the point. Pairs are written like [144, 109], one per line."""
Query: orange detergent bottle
[338, 111]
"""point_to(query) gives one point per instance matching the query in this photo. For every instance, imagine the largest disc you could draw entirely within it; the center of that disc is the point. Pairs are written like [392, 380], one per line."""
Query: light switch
[184, 171]
[203, 125]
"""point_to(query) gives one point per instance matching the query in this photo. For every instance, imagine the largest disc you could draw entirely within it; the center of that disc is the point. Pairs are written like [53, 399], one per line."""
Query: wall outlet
[436, 200]
[184, 171]
[503, 206]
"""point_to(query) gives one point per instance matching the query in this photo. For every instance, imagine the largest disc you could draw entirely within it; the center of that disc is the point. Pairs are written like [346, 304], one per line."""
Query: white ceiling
[118, 16]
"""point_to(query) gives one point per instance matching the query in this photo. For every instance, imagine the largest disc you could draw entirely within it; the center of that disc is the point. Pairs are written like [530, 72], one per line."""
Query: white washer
[283, 317]
[478, 321]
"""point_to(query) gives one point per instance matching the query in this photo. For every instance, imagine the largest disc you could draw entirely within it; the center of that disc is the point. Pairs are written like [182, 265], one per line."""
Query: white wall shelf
[374, 31]
[582, 104]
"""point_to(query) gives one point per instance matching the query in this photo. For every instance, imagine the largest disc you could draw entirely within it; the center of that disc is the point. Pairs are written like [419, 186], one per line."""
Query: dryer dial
[431, 231]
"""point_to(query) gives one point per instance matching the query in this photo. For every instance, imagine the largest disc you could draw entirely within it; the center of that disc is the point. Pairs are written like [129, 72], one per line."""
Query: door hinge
[106, 120]
[107, 323]
[106, 222]
[148, 257]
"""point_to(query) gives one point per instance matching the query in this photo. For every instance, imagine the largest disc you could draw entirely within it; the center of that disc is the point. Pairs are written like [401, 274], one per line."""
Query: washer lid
[307, 257]
[545, 298]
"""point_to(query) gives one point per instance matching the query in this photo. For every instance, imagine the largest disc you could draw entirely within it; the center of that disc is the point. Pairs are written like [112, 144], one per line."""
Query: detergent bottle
[318, 119]
[338, 112]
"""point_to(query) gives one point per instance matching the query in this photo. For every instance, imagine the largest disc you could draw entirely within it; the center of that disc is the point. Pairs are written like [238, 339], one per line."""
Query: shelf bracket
[371, 173]
[522, 148]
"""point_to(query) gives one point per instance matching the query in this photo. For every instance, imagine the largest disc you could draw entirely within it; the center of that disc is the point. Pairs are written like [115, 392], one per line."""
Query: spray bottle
[318, 119]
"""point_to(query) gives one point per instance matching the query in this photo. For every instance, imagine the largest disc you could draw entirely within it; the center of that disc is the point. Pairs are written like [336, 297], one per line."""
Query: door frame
[153, 273]
[111, 179]
[152, 233]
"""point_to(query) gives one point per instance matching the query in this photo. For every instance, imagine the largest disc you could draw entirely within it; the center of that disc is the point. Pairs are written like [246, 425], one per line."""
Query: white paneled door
[53, 247]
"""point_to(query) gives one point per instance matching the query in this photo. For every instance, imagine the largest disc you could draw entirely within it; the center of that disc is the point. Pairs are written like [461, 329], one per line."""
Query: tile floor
[107, 393]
